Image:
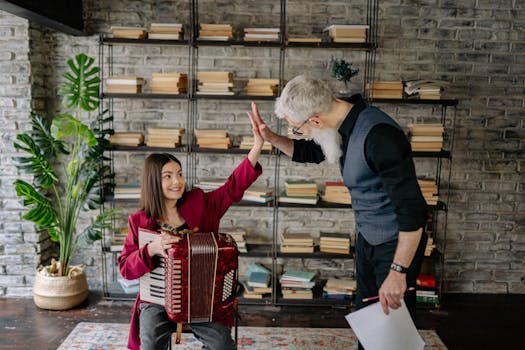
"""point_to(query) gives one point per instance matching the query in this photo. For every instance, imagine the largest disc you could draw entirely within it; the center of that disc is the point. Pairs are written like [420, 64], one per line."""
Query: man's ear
[317, 121]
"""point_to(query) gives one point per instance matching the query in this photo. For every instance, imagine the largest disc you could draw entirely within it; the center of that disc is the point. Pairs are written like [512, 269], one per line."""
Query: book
[297, 275]
[283, 198]
[259, 279]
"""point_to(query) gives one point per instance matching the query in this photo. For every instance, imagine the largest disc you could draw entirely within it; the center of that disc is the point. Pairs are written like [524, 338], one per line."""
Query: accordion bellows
[200, 278]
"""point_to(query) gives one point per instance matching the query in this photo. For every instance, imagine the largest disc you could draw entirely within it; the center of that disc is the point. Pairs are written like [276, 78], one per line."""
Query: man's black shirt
[388, 153]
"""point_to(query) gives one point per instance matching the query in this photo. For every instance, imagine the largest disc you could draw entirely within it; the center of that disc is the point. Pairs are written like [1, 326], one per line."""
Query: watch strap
[398, 268]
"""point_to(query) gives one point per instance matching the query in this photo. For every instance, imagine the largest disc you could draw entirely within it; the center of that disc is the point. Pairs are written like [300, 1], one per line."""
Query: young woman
[163, 198]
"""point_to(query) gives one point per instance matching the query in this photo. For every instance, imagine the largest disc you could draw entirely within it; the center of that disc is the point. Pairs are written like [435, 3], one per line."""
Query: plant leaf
[83, 89]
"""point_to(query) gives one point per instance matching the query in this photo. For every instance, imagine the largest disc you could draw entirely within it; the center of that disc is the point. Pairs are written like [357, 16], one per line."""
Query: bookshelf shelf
[317, 255]
[442, 102]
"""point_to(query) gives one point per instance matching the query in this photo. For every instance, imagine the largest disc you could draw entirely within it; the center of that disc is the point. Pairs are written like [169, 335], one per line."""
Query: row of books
[429, 190]
[340, 33]
[161, 83]
[165, 31]
[297, 284]
[426, 289]
[172, 137]
[339, 288]
[412, 89]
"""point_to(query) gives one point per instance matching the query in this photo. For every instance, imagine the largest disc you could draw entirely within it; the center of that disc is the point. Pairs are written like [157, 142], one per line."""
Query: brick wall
[477, 46]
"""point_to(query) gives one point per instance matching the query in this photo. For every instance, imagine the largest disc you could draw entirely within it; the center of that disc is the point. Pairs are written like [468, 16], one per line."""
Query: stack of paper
[169, 83]
[424, 89]
[124, 84]
[215, 83]
[217, 32]
[165, 137]
[297, 243]
[336, 192]
[129, 32]
[347, 33]
[297, 284]
[334, 242]
[217, 139]
[132, 139]
[261, 34]
[262, 87]
[166, 31]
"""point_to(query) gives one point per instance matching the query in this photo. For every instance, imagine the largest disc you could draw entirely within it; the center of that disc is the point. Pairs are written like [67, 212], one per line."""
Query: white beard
[330, 141]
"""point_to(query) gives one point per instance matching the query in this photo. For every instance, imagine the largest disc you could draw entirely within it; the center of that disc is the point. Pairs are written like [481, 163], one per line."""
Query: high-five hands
[258, 123]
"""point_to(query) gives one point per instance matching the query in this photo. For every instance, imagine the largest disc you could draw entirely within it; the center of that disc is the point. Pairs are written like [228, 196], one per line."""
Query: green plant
[342, 70]
[66, 159]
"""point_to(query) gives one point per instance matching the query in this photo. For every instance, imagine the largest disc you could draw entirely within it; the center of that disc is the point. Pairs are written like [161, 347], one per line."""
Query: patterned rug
[105, 336]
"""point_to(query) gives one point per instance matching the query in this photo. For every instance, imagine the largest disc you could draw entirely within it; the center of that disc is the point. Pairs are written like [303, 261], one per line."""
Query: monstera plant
[66, 160]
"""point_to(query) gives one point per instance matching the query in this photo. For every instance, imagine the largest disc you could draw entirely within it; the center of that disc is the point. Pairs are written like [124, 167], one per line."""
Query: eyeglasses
[295, 129]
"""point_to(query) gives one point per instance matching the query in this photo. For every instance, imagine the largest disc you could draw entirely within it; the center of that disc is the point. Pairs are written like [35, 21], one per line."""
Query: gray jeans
[156, 330]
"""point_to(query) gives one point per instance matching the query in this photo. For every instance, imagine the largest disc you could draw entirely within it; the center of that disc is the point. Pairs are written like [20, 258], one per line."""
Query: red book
[426, 281]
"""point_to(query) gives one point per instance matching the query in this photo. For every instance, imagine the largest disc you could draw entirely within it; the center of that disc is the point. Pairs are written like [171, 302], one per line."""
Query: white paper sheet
[377, 331]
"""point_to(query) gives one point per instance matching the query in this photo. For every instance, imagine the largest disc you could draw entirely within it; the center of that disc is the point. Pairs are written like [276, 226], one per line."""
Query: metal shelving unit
[190, 151]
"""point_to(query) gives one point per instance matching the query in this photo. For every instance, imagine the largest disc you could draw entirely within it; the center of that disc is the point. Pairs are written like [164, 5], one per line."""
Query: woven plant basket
[60, 292]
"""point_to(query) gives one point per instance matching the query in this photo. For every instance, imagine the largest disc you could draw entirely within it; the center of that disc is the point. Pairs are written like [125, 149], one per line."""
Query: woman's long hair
[151, 196]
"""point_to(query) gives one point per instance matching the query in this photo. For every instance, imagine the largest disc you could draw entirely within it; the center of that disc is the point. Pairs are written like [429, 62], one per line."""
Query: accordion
[197, 282]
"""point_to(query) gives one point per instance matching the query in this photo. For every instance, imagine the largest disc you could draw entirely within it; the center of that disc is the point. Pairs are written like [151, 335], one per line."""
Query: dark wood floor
[465, 321]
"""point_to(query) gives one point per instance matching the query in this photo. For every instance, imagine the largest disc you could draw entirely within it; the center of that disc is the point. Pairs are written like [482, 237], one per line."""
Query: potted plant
[65, 159]
[342, 71]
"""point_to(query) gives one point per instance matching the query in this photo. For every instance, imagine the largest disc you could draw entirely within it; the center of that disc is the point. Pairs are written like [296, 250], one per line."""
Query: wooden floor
[465, 321]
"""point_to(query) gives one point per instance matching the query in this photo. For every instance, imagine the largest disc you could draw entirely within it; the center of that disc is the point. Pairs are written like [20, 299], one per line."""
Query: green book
[338, 235]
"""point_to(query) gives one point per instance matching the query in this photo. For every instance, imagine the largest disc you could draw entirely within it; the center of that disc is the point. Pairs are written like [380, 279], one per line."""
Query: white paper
[377, 331]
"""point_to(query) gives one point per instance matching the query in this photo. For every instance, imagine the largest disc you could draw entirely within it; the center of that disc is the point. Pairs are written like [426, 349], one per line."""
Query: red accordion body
[201, 278]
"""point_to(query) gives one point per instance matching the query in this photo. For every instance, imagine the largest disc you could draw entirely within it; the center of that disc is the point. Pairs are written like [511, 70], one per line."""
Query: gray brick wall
[477, 46]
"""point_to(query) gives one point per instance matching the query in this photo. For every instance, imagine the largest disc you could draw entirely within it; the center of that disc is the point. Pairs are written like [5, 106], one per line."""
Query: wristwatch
[398, 268]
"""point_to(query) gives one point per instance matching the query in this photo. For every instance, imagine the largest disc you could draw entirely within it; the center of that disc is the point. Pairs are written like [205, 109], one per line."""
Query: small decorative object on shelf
[342, 71]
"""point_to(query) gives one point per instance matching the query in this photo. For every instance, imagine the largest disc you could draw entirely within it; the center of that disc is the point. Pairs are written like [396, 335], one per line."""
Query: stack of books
[129, 32]
[300, 192]
[426, 137]
[424, 89]
[126, 191]
[336, 192]
[430, 246]
[208, 185]
[297, 243]
[258, 194]
[301, 39]
[124, 84]
[257, 281]
[334, 242]
[430, 191]
[117, 242]
[339, 288]
[385, 89]
[166, 31]
[215, 83]
[129, 286]
[217, 139]
[247, 143]
[237, 234]
[261, 34]
[297, 284]
[216, 32]
[347, 33]
[426, 291]
[165, 137]
[262, 87]
[131, 139]
[169, 83]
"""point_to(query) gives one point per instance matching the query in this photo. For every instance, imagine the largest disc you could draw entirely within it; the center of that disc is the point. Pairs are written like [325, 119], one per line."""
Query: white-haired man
[376, 164]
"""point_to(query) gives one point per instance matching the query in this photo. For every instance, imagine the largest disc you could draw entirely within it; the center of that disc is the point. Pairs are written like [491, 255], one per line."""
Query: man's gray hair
[304, 97]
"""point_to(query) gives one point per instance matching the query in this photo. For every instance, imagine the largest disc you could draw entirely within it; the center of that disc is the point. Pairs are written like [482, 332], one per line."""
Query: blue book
[259, 279]
[256, 268]
[297, 275]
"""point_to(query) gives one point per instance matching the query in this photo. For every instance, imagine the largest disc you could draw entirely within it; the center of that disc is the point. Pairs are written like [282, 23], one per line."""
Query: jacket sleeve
[219, 200]
[134, 262]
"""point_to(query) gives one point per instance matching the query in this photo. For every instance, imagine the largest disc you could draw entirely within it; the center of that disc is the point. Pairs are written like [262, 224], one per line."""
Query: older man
[376, 164]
